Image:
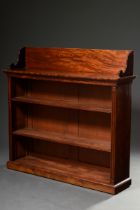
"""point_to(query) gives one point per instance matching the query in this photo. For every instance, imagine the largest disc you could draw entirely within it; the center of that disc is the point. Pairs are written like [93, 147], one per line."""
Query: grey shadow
[23, 191]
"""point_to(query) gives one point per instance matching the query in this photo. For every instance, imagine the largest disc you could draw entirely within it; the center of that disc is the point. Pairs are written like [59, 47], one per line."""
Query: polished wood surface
[59, 94]
[61, 103]
[98, 144]
[75, 63]
[93, 177]
[121, 132]
[70, 116]
[68, 167]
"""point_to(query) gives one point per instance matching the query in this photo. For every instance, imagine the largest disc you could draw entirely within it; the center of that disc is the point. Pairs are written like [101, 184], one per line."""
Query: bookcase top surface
[75, 62]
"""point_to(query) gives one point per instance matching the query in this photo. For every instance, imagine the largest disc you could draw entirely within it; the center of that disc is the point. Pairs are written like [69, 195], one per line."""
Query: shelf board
[97, 144]
[62, 103]
[72, 171]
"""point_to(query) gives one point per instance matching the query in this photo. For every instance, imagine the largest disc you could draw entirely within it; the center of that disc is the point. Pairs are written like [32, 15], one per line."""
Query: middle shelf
[97, 144]
[91, 130]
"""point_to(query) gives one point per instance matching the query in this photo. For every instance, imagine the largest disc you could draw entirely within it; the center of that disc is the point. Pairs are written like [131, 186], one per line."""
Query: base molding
[108, 188]
[121, 185]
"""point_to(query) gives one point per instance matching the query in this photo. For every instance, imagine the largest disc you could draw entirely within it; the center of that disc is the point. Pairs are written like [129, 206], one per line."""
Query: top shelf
[62, 103]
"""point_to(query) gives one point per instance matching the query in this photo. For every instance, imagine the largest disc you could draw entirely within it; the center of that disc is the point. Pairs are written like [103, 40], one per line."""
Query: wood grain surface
[70, 115]
[97, 63]
[73, 172]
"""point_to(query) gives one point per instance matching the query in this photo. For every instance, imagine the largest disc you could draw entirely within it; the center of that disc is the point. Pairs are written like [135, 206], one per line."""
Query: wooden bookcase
[70, 116]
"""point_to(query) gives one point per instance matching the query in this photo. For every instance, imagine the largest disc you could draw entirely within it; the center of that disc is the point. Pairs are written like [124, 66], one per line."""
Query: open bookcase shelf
[97, 144]
[52, 167]
[62, 103]
[70, 116]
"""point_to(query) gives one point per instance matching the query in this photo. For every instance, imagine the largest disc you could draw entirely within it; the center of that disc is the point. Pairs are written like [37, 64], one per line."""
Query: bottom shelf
[74, 172]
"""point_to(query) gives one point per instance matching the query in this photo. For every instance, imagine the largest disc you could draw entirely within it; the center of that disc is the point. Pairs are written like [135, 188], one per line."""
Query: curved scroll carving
[21, 60]
[129, 70]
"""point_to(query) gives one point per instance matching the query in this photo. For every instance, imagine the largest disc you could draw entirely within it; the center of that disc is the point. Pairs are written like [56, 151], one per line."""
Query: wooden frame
[70, 116]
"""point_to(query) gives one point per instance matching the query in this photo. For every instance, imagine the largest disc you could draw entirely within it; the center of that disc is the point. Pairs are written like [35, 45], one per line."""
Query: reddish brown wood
[100, 63]
[63, 95]
[121, 122]
[75, 63]
[70, 116]
[81, 174]
[77, 78]
[98, 144]
[69, 167]
[62, 103]
[11, 142]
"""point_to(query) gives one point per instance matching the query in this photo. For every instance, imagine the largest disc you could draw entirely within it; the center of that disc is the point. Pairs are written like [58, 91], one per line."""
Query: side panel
[16, 119]
[11, 142]
[121, 125]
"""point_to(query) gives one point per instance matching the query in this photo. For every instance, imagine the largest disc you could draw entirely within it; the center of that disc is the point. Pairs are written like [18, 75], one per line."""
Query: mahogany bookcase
[70, 115]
